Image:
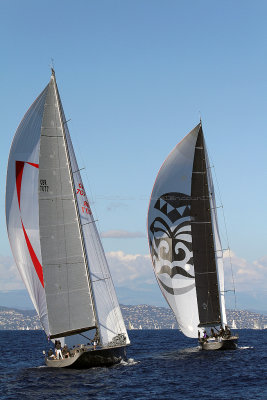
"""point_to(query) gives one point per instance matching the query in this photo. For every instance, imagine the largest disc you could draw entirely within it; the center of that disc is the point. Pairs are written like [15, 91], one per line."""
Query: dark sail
[202, 240]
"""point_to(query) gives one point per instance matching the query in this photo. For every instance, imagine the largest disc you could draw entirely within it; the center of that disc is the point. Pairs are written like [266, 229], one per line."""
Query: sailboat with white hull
[55, 242]
[185, 245]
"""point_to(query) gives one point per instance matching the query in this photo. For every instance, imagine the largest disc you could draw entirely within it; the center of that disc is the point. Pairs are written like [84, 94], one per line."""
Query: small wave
[129, 361]
[245, 347]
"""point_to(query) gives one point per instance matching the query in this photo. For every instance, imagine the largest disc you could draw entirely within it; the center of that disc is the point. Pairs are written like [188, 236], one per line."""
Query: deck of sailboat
[87, 357]
[219, 344]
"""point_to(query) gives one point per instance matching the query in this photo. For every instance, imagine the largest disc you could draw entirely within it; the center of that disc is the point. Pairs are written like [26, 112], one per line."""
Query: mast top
[52, 68]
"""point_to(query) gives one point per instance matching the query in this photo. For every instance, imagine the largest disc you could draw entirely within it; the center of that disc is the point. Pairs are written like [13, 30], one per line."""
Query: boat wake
[179, 354]
[245, 347]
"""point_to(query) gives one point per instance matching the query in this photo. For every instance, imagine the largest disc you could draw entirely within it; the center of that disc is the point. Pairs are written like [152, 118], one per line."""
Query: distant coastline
[135, 316]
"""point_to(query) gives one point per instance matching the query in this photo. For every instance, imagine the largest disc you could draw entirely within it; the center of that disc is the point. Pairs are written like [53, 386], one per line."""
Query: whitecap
[129, 361]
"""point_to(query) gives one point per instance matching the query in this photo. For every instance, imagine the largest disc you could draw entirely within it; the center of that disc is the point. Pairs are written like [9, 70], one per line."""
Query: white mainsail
[181, 231]
[52, 231]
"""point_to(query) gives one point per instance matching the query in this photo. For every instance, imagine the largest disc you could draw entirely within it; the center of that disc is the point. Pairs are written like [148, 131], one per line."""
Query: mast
[75, 199]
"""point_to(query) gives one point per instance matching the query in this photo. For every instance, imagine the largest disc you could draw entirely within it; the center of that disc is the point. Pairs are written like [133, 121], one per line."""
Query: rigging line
[87, 223]
[85, 337]
[217, 251]
[100, 279]
[78, 170]
[226, 231]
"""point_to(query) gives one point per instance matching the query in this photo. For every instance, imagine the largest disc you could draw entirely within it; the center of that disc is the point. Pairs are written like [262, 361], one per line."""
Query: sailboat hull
[88, 358]
[223, 344]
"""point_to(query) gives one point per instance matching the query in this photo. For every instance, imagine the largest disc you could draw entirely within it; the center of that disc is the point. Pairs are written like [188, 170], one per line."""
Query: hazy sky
[134, 78]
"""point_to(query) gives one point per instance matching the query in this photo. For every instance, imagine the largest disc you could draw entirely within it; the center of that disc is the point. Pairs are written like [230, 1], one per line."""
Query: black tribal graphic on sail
[171, 243]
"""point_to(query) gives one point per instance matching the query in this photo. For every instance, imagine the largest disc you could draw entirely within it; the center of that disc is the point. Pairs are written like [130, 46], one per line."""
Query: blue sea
[162, 364]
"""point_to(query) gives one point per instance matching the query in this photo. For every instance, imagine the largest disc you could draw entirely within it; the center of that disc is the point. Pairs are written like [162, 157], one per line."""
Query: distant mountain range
[19, 299]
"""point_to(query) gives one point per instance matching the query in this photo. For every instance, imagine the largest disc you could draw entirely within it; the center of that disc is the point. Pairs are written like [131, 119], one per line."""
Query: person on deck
[65, 351]
[58, 349]
[227, 332]
[51, 355]
[95, 341]
[221, 331]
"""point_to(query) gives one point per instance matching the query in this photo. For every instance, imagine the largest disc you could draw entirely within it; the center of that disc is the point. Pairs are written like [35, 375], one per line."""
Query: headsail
[181, 232]
[109, 317]
[22, 206]
[51, 228]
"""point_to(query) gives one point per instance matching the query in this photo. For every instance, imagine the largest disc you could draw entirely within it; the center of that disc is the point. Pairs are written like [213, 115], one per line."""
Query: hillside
[141, 316]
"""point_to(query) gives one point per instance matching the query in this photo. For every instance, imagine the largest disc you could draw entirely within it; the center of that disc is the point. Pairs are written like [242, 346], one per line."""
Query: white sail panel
[66, 280]
[22, 209]
[110, 321]
[169, 232]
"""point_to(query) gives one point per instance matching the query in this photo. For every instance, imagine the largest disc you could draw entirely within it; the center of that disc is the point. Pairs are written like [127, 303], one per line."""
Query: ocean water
[162, 364]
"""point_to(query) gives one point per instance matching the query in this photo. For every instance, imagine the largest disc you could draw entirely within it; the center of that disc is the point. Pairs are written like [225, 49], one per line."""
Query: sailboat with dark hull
[55, 242]
[185, 245]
